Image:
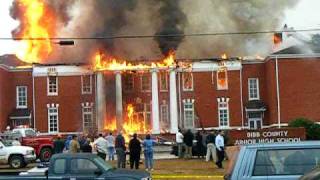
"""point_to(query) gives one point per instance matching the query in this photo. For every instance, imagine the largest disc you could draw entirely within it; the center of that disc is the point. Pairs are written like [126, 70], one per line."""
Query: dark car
[81, 166]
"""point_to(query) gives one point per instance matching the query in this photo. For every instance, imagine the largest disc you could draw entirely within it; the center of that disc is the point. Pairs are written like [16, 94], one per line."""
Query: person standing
[120, 151]
[101, 146]
[219, 142]
[188, 141]
[67, 143]
[74, 145]
[86, 147]
[179, 141]
[110, 144]
[199, 145]
[148, 144]
[211, 148]
[58, 145]
[135, 150]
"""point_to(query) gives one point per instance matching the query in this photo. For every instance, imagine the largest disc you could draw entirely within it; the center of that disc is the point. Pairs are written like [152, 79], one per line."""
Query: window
[87, 117]
[222, 79]
[163, 82]
[148, 116]
[145, 82]
[286, 162]
[83, 166]
[128, 82]
[253, 84]
[188, 108]
[21, 97]
[187, 81]
[164, 115]
[52, 86]
[223, 113]
[59, 166]
[53, 119]
[86, 82]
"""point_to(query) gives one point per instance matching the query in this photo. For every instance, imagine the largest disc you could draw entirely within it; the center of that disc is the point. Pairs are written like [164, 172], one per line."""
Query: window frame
[57, 119]
[257, 89]
[185, 116]
[87, 113]
[225, 70]
[145, 75]
[85, 86]
[18, 106]
[65, 166]
[48, 86]
[166, 88]
[167, 113]
[192, 83]
[226, 108]
[128, 77]
[84, 173]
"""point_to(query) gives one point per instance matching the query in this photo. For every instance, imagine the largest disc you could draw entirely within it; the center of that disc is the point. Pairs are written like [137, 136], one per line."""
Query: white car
[16, 156]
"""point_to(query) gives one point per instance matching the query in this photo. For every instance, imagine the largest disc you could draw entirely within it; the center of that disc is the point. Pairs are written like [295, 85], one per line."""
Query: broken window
[163, 82]
[187, 81]
[222, 79]
[145, 82]
[86, 84]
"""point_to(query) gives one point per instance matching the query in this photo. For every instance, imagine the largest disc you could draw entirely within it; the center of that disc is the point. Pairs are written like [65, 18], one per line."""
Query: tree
[312, 129]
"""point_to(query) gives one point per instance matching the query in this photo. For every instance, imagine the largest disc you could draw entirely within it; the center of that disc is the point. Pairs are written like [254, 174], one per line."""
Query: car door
[3, 153]
[81, 168]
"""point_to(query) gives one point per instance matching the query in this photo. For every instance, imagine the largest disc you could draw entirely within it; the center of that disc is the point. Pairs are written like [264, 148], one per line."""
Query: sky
[304, 16]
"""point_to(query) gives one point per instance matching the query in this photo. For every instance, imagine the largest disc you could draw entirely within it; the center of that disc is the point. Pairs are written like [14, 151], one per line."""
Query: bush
[312, 129]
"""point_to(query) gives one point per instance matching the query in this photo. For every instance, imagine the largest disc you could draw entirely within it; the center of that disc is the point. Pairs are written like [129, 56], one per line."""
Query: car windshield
[30, 133]
[103, 164]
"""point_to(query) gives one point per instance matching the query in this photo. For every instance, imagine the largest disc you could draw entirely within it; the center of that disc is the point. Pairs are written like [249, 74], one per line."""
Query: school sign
[242, 137]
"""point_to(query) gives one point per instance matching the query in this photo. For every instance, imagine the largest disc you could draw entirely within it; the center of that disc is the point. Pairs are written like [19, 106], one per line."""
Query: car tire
[16, 161]
[45, 154]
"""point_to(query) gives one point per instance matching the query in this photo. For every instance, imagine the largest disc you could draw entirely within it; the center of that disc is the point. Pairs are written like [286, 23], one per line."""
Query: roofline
[291, 56]
[14, 69]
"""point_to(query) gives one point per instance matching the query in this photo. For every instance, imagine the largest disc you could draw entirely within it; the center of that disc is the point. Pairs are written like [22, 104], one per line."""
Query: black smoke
[173, 22]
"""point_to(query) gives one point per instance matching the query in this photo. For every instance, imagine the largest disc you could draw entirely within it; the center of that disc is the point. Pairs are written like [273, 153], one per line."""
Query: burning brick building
[221, 93]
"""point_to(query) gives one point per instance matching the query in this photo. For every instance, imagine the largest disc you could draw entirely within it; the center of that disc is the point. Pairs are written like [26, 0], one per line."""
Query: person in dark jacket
[120, 151]
[135, 151]
[188, 141]
[199, 145]
[86, 146]
[58, 145]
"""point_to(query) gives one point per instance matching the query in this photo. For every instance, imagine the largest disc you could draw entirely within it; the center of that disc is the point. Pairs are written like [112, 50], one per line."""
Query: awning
[20, 114]
[255, 105]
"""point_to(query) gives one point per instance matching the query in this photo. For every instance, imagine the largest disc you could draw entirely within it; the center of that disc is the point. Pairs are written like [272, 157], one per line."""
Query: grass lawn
[185, 169]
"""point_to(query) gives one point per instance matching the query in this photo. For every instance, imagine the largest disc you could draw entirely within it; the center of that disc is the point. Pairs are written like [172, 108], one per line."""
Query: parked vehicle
[273, 161]
[16, 156]
[43, 145]
[80, 166]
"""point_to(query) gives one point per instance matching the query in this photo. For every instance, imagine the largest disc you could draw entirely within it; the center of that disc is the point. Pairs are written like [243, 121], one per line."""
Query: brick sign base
[273, 135]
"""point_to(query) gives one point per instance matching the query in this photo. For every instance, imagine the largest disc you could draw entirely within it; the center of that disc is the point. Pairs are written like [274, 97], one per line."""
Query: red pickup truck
[42, 144]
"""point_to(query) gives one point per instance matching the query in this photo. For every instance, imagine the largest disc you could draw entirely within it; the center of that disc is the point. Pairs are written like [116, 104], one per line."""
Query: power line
[163, 35]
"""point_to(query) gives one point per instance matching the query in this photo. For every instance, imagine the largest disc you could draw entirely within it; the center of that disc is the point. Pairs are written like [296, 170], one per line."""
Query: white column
[119, 111]
[100, 101]
[173, 103]
[155, 102]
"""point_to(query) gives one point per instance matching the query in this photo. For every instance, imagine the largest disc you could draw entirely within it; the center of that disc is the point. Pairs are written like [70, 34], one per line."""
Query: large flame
[132, 124]
[38, 22]
[101, 63]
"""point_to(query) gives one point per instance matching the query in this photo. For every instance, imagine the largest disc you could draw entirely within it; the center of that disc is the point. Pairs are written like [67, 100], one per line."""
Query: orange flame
[112, 64]
[132, 124]
[224, 56]
[38, 22]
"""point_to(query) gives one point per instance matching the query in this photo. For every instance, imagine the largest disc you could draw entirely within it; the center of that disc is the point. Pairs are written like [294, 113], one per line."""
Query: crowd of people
[111, 146]
[212, 145]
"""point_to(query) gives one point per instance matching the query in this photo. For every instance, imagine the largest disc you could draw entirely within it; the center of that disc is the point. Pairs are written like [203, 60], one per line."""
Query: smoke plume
[104, 18]
[173, 21]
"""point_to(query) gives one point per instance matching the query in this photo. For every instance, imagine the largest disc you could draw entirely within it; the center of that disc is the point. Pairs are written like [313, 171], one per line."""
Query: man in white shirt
[179, 141]
[219, 142]
[101, 146]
